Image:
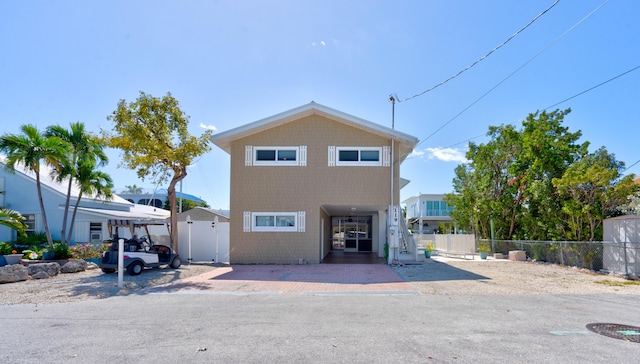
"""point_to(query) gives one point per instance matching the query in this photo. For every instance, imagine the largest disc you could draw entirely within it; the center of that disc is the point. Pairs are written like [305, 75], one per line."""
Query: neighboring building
[18, 192]
[426, 212]
[312, 180]
[155, 198]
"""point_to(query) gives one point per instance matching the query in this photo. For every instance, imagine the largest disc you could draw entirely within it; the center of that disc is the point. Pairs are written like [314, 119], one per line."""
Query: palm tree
[13, 219]
[84, 147]
[90, 181]
[29, 149]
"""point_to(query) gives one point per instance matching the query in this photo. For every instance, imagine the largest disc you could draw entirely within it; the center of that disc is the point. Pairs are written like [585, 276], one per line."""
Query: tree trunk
[73, 218]
[44, 214]
[66, 212]
[171, 194]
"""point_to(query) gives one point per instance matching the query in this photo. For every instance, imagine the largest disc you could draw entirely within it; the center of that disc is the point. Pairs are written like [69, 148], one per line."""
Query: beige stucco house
[310, 181]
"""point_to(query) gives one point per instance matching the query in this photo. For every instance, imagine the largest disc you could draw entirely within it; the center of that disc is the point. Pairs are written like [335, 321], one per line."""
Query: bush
[61, 251]
[87, 251]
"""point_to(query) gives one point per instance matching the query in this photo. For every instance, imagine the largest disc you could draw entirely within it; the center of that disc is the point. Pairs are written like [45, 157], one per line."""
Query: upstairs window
[276, 156]
[359, 156]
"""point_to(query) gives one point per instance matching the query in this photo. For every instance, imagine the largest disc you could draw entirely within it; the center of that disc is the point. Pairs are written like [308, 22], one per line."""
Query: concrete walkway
[295, 280]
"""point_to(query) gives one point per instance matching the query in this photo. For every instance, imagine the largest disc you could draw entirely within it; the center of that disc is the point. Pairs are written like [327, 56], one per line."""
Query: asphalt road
[218, 327]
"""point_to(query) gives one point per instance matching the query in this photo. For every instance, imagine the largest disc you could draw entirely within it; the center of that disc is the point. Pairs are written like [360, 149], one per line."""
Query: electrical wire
[481, 58]
[516, 70]
[592, 88]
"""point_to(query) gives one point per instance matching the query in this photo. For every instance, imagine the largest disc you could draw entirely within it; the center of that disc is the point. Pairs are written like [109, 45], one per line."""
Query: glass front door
[351, 234]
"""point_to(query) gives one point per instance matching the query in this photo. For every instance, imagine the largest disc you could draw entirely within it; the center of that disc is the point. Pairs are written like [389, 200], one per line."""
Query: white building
[18, 192]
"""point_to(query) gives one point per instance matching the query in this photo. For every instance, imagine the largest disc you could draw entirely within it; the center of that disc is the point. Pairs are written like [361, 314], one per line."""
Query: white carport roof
[137, 212]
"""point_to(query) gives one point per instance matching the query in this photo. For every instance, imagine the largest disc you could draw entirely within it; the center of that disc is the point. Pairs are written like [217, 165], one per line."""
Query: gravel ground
[447, 276]
[92, 284]
[439, 276]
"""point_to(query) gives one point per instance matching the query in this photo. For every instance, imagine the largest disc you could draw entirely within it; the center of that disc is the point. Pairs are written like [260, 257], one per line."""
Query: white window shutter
[301, 221]
[248, 155]
[386, 156]
[303, 155]
[332, 156]
[246, 222]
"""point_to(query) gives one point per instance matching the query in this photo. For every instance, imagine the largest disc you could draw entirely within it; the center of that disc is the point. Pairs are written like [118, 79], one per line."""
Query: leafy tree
[153, 137]
[548, 149]
[591, 190]
[13, 220]
[484, 188]
[509, 180]
[133, 189]
[90, 181]
[187, 204]
[29, 149]
[86, 150]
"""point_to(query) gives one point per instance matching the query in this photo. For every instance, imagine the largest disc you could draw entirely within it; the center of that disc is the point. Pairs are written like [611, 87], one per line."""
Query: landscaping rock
[74, 266]
[44, 270]
[13, 273]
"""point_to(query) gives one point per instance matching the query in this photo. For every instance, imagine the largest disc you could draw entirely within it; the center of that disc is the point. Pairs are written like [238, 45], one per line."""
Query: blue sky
[234, 62]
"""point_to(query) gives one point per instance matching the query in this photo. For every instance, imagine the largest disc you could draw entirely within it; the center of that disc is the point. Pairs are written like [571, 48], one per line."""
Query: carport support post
[120, 261]
[215, 225]
[189, 222]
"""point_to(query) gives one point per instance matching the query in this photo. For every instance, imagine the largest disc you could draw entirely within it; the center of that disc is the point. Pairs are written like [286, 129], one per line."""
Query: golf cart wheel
[176, 263]
[135, 268]
[108, 270]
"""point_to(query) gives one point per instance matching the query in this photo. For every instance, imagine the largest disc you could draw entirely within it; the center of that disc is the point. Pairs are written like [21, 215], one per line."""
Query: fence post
[561, 254]
[626, 261]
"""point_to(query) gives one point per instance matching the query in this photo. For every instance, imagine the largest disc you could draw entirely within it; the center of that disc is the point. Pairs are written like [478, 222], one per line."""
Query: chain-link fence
[615, 257]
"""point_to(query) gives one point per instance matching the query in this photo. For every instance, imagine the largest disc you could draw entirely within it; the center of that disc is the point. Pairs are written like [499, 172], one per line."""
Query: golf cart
[139, 253]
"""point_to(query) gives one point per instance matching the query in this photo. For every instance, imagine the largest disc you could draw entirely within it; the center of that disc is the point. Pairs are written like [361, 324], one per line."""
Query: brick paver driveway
[295, 280]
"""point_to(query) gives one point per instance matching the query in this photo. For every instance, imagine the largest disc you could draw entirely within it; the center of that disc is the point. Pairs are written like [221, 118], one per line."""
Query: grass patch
[611, 283]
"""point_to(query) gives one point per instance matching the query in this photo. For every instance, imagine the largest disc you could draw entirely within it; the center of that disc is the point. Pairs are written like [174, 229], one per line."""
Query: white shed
[621, 237]
[201, 240]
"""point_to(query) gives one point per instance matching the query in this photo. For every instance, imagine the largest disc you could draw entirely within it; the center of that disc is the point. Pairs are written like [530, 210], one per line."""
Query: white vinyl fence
[206, 242]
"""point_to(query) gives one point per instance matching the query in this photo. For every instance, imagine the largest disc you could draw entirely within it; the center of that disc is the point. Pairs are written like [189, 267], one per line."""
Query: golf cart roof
[136, 223]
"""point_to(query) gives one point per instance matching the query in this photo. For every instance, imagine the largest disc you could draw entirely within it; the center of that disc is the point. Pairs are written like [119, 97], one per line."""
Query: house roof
[224, 139]
[60, 188]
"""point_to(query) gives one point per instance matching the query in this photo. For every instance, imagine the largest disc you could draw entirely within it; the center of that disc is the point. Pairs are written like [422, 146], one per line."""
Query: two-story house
[427, 213]
[310, 181]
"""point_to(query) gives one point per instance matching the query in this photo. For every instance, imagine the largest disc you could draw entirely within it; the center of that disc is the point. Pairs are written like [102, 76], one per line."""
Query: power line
[594, 87]
[516, 70]
[481, 58]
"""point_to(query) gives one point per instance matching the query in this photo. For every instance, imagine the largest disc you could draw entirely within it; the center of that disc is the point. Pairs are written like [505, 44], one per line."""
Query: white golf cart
[139, 253]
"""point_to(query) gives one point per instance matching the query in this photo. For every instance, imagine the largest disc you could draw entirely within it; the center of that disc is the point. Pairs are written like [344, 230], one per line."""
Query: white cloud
[210, 127]
[446, 154]
[416, 154]
[323, 43]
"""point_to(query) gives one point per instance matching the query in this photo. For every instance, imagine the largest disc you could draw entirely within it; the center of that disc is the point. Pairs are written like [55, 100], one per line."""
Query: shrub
[61, 251]
[87, 251]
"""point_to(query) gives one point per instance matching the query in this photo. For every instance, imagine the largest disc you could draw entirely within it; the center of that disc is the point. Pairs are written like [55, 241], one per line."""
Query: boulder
[13, 273]
[44, 270]
[74, 266]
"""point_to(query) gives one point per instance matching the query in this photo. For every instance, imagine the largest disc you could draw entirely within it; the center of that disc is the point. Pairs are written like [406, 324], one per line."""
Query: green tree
[591, 190]
[133, 189]
[153, 137]
[93, 182]
[13, 220]
[187, 204]
[30, 149]
[548, 149]
[508, 180]
[85, 148]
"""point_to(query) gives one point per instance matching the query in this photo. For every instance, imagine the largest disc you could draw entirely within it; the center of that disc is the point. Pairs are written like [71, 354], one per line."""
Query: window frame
[274, 227]
[275, 162]
[359, 162]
